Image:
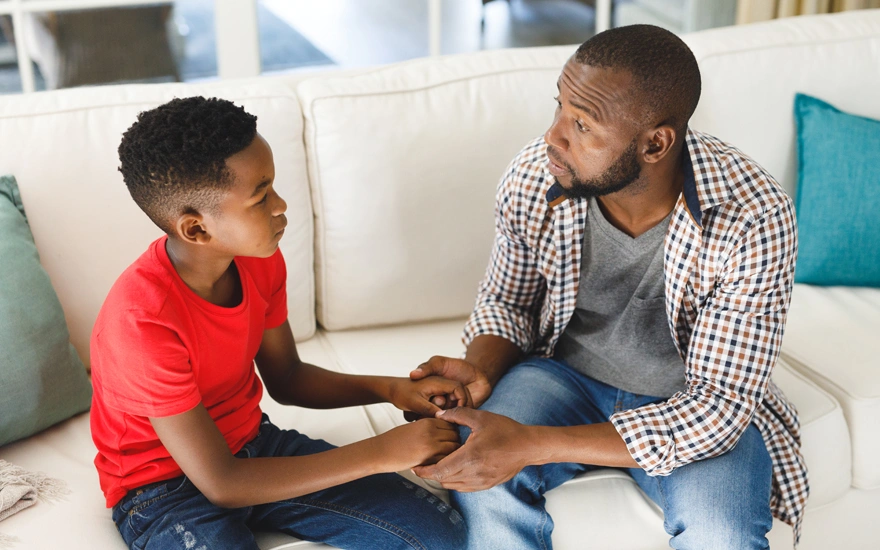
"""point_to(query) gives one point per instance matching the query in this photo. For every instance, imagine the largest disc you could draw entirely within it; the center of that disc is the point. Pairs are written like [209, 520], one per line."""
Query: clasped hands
[497, 448]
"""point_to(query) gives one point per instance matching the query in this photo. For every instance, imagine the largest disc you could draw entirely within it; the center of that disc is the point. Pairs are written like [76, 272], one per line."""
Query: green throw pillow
[838, 195]
[42, 380]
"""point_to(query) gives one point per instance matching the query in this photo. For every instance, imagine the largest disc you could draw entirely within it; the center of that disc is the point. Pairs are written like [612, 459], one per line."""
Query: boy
[185, 457]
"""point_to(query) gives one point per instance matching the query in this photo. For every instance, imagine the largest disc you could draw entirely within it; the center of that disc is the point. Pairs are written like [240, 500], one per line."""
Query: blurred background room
[50, 44]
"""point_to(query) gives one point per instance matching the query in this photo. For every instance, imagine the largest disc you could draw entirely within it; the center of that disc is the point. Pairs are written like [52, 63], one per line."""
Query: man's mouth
[556, 167]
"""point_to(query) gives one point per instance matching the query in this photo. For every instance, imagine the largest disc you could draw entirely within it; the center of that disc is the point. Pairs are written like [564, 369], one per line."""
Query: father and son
[630, 317]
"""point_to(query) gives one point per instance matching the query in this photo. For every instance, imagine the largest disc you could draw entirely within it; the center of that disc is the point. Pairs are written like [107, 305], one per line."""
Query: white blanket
[20, 489]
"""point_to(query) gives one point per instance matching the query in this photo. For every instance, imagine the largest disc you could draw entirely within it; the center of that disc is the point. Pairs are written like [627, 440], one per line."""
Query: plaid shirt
[729, 260]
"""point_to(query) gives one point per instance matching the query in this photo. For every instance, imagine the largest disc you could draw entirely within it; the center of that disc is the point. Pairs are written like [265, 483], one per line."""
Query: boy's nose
[280, 206]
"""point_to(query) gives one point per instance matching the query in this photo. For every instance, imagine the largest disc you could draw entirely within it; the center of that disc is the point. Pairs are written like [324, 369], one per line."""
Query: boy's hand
[419, 443]
[417, 396]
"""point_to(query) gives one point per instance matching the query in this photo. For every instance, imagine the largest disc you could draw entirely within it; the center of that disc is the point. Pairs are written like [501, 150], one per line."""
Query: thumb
[463, 416]
[420, 372]
[426, 369]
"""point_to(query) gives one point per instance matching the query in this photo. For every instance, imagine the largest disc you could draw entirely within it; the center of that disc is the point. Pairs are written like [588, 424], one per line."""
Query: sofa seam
[129, 104]
[431, 86]
[799, 366]
[801, 43]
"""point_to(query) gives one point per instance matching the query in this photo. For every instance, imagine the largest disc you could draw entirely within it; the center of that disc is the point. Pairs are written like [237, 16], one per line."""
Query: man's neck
[643, 205]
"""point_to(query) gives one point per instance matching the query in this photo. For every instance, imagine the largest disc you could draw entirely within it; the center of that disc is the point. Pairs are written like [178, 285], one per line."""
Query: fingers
[444, 471]
[428, 368]
[432, 367]
[463, 416]
[440, 401]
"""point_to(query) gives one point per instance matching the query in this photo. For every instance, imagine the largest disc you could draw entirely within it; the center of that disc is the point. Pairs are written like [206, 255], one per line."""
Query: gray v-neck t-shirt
[619, 333]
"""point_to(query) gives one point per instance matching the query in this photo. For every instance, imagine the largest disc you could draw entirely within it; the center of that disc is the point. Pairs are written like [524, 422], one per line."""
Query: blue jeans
[718, 503]
[381, 511]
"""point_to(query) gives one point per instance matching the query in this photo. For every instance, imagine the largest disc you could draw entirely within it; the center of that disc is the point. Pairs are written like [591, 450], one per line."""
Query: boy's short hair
[173, 159]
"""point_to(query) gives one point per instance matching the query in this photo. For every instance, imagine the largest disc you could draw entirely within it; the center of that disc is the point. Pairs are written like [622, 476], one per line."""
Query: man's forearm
[596, 444]
[493, 356]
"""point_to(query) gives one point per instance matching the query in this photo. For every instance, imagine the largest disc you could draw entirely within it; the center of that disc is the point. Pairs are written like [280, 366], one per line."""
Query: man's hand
[415, 396]
[459, 370]
[497, 449]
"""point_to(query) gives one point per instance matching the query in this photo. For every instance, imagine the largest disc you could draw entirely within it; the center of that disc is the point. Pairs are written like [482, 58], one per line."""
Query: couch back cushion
[752, 73]
[404, 162]
[61, 146]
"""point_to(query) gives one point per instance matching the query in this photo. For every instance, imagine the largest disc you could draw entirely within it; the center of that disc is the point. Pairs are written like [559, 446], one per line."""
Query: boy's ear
[190, 228]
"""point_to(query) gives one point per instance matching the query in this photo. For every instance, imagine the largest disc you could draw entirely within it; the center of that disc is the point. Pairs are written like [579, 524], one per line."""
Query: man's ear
[190, 228]
[658, 143]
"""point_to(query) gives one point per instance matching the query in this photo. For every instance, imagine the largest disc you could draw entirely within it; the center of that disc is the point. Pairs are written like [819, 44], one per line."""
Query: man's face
[592, 145]
[250, 219]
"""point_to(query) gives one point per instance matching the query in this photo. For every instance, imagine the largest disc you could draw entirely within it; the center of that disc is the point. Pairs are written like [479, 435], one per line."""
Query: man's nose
[554, 137]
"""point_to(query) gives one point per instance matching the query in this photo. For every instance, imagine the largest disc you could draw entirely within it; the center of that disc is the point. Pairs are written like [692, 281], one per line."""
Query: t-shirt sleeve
[276, 312]
[145, 368]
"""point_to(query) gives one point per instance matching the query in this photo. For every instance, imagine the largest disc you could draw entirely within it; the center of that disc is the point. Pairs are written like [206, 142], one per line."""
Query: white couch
[390, 176]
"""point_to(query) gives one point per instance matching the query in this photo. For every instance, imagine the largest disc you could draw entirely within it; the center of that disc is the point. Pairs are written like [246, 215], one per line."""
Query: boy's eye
[266, 196]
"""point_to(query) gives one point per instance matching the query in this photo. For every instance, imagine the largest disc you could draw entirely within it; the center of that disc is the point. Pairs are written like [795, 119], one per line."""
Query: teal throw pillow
[42, 380]
[838, 195]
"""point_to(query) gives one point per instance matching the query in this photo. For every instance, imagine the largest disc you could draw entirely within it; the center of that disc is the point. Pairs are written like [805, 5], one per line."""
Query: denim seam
[138, 507]
[540, 531]
[366, 518]
[665, 506]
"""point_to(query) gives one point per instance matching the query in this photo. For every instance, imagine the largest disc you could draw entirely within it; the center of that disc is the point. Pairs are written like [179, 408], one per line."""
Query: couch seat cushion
[66, 451]
[832, 338]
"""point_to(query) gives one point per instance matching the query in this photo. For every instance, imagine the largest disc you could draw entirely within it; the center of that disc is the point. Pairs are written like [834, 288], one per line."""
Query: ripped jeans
[382, 511]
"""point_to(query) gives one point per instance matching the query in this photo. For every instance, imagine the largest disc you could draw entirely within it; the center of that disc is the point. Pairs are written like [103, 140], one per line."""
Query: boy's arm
[292, 382]
[198, 447]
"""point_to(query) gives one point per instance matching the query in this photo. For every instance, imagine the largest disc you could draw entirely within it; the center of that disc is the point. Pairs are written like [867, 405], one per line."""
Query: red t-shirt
[158, 349]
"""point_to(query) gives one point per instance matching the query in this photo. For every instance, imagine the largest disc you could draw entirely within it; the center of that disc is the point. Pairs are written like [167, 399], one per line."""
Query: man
[630, 316]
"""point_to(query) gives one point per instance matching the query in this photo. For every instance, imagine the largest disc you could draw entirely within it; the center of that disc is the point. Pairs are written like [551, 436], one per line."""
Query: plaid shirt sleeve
[733, 347]
[510, 295]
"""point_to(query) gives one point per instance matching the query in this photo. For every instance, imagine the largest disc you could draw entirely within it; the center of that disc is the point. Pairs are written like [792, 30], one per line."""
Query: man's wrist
[492, 355]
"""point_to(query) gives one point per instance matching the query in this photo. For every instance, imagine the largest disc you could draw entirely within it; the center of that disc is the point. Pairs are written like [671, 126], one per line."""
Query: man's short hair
[173, 159]
[666, 77]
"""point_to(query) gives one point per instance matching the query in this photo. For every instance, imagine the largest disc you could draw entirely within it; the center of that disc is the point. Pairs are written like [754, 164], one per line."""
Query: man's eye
[266, 196]
[580, 126]
[556, 99]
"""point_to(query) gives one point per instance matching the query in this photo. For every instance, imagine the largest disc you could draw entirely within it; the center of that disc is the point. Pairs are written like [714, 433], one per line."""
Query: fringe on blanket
[7, 541]
[20, 489]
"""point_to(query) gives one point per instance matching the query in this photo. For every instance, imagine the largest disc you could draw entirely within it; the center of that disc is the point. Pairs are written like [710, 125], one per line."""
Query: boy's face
[250, 217]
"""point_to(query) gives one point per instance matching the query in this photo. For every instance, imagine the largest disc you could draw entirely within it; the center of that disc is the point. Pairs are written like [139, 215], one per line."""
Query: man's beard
[620, 175]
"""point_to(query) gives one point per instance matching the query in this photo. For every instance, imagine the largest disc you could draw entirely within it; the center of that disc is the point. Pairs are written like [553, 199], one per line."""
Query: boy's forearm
[254, 481]
[317, 388]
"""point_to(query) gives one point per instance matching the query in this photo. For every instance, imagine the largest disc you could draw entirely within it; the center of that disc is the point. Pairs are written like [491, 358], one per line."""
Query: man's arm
[499, 448]
[734, 345]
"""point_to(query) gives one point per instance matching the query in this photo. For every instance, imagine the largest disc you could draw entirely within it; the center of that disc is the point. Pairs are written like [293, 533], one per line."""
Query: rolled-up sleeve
[733, 348]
